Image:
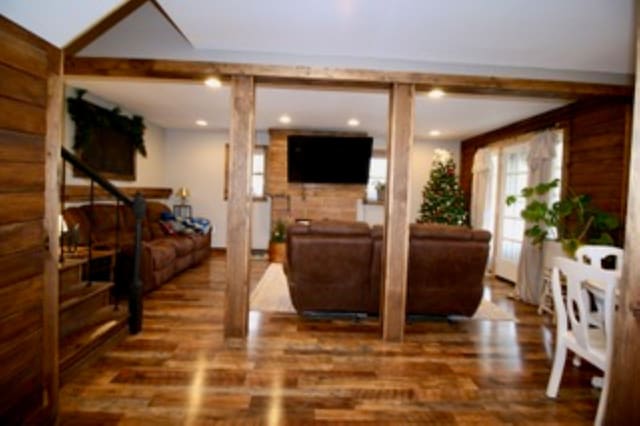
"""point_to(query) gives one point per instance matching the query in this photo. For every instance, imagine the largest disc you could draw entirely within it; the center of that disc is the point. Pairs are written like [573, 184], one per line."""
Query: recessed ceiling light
[353, 122]
[435, 132]
[285, 119]
[201, 123]
[213, 82]
[435, 93]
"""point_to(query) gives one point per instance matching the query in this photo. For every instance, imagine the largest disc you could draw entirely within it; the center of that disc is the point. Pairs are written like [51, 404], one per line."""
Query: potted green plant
[573, 219]
[277, 242]
[380, 188]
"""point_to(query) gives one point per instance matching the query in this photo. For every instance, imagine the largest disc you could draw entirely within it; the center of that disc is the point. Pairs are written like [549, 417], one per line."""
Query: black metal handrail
[138, 205]
[96, 177]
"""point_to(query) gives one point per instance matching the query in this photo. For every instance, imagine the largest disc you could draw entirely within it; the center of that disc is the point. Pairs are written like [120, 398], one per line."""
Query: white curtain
[540, 159]
[483, 192]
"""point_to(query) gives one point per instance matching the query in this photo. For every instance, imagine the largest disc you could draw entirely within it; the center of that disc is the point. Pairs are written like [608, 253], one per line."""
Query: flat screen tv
[328, 159]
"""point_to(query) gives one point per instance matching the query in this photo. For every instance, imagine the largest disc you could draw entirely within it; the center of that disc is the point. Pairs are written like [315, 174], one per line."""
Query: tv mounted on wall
[328, 159]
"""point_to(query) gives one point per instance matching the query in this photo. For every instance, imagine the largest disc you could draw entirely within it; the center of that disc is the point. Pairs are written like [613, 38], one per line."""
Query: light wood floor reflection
[180, 370]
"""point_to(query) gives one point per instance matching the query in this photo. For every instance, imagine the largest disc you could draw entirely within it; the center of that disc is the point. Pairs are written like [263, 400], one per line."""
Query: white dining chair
[573, 332]
[593, 256]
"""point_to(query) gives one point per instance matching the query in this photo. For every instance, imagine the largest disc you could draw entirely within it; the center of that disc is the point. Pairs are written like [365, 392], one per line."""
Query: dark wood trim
[396, 229]
[79, 193]
[241, 138]
[102, 26]
[348, 78]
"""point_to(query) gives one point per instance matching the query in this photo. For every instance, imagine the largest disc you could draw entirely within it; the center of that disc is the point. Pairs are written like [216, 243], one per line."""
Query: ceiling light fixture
[213, 82]
[435, 132]
[435, 93]
[201, 123]
[353, 122]
[285, 119]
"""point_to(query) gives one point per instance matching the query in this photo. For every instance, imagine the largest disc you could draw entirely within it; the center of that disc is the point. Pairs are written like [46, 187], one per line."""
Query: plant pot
[380, 193]
[277, 252]
[550, 250]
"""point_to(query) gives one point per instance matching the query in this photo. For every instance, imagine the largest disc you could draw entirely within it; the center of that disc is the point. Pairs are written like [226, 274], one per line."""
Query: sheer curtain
[483, 192]
[540, 161]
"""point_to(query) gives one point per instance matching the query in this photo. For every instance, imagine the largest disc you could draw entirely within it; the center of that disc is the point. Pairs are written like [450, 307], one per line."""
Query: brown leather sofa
[163, 256]
[337, 267]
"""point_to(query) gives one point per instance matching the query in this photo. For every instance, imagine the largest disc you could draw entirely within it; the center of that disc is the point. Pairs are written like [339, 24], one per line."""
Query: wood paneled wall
[597, 149]
[290, 201]
[26, 65]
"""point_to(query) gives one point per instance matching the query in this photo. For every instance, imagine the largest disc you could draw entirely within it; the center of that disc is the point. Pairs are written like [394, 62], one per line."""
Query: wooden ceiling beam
[283, 75]
[102, 26]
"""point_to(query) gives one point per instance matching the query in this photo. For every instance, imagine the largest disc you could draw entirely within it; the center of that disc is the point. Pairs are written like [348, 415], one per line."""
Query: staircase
[91, 321]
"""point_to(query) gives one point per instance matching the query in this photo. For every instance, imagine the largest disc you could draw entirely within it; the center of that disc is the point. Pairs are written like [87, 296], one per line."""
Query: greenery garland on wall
[88, 116]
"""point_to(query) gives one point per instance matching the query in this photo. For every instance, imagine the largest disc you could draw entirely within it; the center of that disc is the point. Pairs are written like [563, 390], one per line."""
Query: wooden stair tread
[83, 292]
[79, 344]
[71, 263]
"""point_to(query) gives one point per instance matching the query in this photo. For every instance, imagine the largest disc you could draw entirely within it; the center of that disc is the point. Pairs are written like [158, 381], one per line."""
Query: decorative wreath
[88, 116]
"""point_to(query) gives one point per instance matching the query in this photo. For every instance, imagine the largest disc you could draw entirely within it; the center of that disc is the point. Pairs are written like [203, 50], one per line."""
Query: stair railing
[138, 206]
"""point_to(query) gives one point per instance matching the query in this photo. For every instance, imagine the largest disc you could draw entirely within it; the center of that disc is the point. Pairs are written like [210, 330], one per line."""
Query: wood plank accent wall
[596, 149]
[27, 378]
[290, 201]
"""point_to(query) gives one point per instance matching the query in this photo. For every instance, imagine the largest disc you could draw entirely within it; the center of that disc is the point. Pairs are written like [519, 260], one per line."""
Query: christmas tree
[443, 200]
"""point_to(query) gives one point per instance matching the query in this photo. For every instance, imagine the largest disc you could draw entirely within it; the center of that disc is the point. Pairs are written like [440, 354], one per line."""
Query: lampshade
[183, 192]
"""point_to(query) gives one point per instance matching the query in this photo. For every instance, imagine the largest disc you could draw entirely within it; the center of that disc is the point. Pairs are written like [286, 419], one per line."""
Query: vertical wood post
[53, 143]
[396, 235]
[136, 308]
[624, 388]
[241, 141]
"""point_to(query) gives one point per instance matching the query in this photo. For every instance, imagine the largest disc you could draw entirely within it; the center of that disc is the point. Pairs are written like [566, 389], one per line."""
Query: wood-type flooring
[180, 370]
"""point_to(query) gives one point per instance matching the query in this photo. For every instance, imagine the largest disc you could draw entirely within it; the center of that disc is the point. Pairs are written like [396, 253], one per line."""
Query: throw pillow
[167, 228]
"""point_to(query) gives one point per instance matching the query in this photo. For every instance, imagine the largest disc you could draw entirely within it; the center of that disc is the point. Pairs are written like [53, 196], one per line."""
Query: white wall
[195, 159]
[149, 169]
[421, 158]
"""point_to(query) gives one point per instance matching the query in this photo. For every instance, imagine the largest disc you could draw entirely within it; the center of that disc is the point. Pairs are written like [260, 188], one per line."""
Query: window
[258, 172]
[377, 175]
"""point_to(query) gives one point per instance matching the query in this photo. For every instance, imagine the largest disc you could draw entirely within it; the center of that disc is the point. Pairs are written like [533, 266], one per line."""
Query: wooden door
[30, 86]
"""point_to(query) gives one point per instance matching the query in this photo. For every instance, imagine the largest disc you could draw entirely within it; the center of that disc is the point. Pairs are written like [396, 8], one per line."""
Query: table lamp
[183, 193]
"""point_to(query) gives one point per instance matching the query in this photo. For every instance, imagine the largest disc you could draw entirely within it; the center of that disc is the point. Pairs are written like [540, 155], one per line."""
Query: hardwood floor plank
[291, 370]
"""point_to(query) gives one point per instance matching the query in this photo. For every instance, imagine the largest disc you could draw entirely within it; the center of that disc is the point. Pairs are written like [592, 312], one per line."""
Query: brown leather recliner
[446, 268]
[329, 266]
[162, 256]
[445, 276]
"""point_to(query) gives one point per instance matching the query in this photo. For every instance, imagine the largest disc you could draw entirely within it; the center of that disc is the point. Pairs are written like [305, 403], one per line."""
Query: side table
[182, 210]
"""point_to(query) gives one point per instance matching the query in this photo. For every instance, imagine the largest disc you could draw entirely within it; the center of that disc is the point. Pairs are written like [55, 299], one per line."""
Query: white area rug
[272, 295]
[272, 292]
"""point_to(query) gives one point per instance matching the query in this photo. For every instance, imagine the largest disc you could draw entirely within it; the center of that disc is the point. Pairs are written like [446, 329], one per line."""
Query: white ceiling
[583, 40]
[58, 21]
[580, 40]
[588, 35]
[178, 105]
